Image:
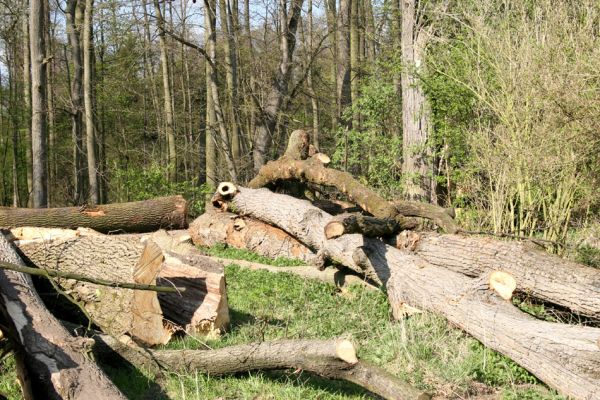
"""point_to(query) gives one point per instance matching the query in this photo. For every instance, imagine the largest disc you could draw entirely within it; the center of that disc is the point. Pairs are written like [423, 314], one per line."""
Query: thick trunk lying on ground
[138, 216]
[217, 227]
[333, 359]
[56, 362]
[201, 309]
[313, 171]
[563, 356]
[539, 274]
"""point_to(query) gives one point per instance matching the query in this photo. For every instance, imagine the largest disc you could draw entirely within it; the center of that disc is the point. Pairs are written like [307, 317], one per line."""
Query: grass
[223, 251]
[424, 350]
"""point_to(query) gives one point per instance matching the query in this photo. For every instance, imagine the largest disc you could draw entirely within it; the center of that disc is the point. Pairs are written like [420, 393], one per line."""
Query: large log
[216, 227]
[565, 357]
[57, 363]
[538, 273]
[313, 171]
[333, 359]
[200, 310]
[138, 216]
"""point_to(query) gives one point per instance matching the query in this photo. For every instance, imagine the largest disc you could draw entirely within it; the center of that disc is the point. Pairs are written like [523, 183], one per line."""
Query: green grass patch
[223, 251]
[423, 350]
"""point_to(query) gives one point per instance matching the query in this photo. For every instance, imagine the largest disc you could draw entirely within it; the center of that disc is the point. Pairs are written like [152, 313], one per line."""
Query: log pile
[469, 280]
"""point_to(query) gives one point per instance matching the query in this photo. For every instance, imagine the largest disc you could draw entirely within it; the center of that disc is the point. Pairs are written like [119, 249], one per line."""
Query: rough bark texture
[216, 227]
[200, 310]
[563, 356]
[138, 216]
[358, 223]
[333, 359]
[88, 87]
[57, 362]
[542, 275]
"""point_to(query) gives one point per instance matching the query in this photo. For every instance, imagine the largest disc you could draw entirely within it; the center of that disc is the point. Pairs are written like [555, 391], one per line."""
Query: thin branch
[98, 281]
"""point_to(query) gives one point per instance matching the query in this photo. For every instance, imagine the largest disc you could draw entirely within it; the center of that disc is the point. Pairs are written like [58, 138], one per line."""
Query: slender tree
[39, 104]
[27, 100]
[90, 134]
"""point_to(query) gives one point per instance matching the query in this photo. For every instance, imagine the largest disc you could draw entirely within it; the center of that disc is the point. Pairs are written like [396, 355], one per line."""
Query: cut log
[358, 223]
[565, 357]
[139, 216]
[333, 359]
[313, 171]
[200, 310]
[542, 275]
[216, 227]
[56, 362]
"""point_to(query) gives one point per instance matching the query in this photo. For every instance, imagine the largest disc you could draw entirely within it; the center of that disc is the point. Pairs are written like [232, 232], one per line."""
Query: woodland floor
[423, 349]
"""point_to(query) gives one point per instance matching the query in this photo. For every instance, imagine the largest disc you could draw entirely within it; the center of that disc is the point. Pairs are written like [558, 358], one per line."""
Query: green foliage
[373, 152]
[144, 183]
[223, 251]
[9, 385]
[588, 255]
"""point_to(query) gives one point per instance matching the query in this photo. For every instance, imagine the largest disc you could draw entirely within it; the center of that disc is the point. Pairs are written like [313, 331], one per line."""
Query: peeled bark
[57, 362]
[565, 357]
[170, 259]
[333, 359]
[215, 227]
[137, 216]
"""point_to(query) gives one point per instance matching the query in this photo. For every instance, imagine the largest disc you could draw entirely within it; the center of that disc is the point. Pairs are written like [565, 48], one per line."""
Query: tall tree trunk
[210, 135]
[27, 99]
[417, 166]
[48, 34]
[267, 121]
[74, 20]
[231, 77]
[90, 133]
[168, 102]
[214, 89]
[309, 79]
[331, 14]
[39, 104]
[354, 59]
[343, 57]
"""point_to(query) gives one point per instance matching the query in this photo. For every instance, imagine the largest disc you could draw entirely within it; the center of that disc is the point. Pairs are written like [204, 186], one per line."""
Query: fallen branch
[55, 361]
[48, 273]
[333, 359]
[138, 216]
[358, 223]
[565, 357]
[333, 276]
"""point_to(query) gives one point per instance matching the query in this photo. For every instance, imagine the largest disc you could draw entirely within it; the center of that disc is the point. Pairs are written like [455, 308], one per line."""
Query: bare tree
[39, 104]
[417, 166]
[88, 56]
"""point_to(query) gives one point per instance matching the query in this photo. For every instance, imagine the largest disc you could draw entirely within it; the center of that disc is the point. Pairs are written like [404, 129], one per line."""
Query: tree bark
[167, 93]
[137, 216]
[539, 274]
[358, 223]
[169, 259]
[90, 131]
[343, 57]
[39, 105]
[74, 22]
[333, 359]
[417, 166]
[215, 227]
[57, 362]
[565, 357]
[27, 101]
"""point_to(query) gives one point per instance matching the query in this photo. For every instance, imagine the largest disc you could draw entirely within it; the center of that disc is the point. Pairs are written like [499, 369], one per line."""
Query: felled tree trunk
[539, 274]
[201, 309]
[56, 361]
[313, 171]
[138, 216]
[217, 227]
[563, 356]
[333, 359]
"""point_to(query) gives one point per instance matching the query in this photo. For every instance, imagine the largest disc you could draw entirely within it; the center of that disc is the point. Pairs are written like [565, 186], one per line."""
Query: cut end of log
[334, 229]
[346, 352]
[503, 283]
[322, 158]
[225, 191]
